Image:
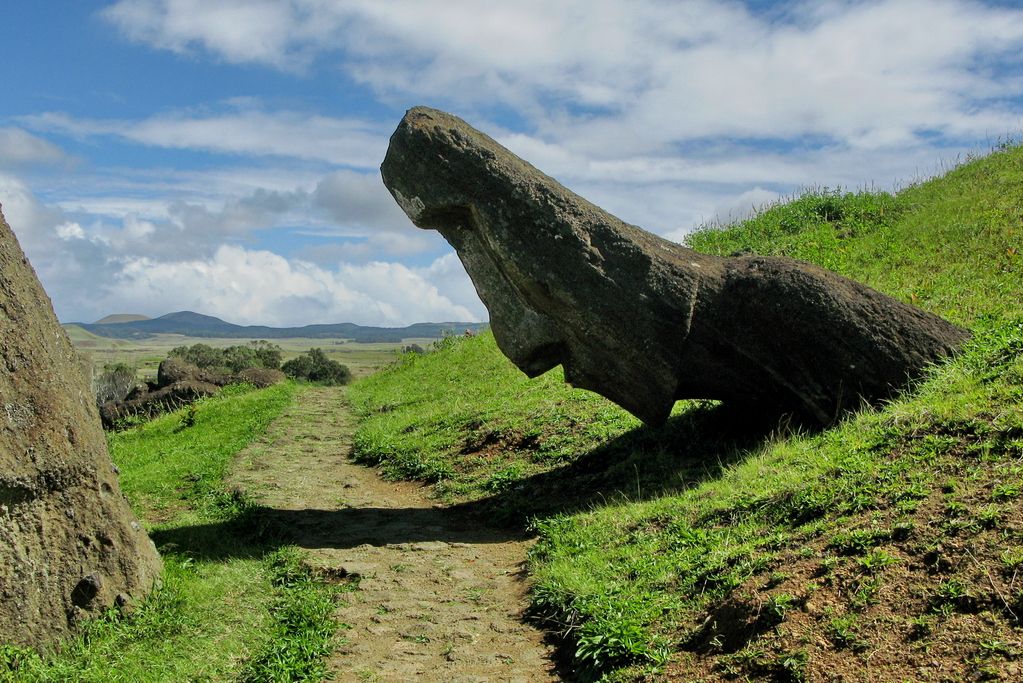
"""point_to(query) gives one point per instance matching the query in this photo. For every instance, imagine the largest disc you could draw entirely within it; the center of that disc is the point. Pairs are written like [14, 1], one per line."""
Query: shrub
[255, 354]
[199, 355]
[268, 354]
[114, 383]
[316, 367]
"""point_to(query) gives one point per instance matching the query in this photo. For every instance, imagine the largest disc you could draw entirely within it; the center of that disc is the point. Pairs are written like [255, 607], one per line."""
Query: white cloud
[261, 31]
[667, 114]
[90, 270]
[195, 214]
[70, 231]
[19, 148]
[260, 287]
[248, 132]
[664, 110]
[617, 77]
[68, 262]
[31, 220]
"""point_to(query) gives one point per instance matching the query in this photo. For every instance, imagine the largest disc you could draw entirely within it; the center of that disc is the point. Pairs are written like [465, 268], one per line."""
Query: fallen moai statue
[641, 320]
[178, 384]
[70, 546]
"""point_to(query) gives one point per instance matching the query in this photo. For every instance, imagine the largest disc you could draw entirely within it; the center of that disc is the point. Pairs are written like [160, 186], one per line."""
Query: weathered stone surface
[179, 383]
[69, 544]
[636, 318]
[153, 403]
[174, 370]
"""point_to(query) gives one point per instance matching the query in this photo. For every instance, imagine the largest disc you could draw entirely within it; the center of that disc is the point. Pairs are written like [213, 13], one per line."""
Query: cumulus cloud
[99, 267]
[69, 264]
[30, 219]
[193, 213]
[260, 287]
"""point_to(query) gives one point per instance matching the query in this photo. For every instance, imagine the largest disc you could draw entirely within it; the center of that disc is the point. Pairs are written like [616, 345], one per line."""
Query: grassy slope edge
[234, 605]
[892, 543]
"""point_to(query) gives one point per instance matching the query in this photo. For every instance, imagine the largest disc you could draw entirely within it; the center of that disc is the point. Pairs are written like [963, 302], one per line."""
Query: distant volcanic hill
[191, 324]
[121, 318]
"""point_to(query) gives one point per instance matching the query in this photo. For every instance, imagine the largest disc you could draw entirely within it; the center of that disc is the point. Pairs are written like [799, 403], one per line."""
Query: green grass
[495, 430]
[303, 626]
[232, 602]
[951, 245]
[168, 466]
[700, 549]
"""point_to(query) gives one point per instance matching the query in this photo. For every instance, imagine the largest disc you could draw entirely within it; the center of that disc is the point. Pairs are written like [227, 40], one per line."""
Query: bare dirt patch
[441, 594]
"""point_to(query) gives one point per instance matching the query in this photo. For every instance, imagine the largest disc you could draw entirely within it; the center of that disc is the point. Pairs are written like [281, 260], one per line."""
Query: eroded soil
[440, 596]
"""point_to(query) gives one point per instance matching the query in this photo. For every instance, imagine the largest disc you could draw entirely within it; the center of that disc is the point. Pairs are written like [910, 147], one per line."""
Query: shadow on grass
[645, 463]
[648, 462]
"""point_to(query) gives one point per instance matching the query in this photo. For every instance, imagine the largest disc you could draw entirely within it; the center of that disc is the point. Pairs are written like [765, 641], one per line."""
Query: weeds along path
[440, 597]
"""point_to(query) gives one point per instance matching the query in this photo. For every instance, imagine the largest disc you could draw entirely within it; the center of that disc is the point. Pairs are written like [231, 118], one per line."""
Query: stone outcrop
[70, 546]
[149, 404]
[641, 320]
[172, 370]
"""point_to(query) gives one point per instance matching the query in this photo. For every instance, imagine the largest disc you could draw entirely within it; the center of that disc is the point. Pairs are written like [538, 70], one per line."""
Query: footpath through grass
[233, 604]
[716, 548]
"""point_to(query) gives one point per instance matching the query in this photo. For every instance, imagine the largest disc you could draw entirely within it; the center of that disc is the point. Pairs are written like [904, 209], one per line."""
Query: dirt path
[440, 597]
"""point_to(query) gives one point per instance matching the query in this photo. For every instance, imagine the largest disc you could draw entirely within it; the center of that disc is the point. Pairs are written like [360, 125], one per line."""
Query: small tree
[316, 367]
[237, 358]
[269, 354]
[256, 354]
[200, 355]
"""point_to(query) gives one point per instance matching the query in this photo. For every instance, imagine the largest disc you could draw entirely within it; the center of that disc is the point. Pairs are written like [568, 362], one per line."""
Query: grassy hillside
[889, 547]
[233, 605]
[83, 338]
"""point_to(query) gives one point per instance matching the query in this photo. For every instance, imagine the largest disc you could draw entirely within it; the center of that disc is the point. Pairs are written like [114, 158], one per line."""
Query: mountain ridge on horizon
[192, 324]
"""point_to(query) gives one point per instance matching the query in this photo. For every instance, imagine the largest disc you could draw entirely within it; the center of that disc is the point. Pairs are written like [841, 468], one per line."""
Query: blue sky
[160, 155]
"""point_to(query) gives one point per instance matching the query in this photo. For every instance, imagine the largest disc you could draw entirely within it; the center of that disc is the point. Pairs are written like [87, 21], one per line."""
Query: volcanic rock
[153, 403]
[179, 383]
[174, 370]
[641, 320]
[69, 543]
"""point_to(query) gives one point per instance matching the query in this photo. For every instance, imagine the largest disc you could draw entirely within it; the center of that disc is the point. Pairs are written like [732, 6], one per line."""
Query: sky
[223, 157]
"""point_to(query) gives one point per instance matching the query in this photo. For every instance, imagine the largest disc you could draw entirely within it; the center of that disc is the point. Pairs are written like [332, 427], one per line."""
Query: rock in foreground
[641, 320]
[70, 546]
